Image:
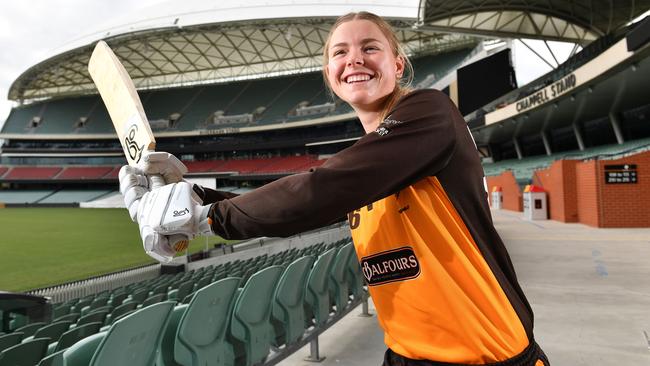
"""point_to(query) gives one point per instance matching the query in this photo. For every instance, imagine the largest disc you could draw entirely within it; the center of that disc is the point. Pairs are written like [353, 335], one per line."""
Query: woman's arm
[415, 141]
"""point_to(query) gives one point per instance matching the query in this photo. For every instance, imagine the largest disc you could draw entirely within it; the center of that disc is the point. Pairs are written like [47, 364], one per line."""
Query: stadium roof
[578, 21]
[218, 42]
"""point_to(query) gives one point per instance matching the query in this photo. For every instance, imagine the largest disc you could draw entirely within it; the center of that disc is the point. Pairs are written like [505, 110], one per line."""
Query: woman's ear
[399, 66]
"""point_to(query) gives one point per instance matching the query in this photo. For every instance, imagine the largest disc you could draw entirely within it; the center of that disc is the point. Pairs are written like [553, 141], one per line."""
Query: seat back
[9, 340]
[120, 310]
[338, 277]
[29, 329]
[250, 322]
[355, 277]
[53, 331]
[288, 315]
[153, 299]
[25, 354]
[95, 316]
[202, 328]
[80, 353]
[76, 334]
[134, 339]
[73, 317]
[165, 354]
[317, 299]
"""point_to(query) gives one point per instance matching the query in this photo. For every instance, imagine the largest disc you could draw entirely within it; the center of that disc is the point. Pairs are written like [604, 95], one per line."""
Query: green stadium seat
[138, 295]
[74, 335]
[183, 290]
[80, 353]
[29, 329]
[355, 277]
[250, 323]
[165, 354]
[288, 314]
[132, 340]
[25, 354]
[9, 340]
[54, 359]
[202, 328]
[202, 282]
[97, 303]
[52, 331]
[61, 310]
[81, 304]
[317, 299]
[117, 299]
[73, 317]
[338, 283]
[95, 316]
[153, 299]
[119, 311]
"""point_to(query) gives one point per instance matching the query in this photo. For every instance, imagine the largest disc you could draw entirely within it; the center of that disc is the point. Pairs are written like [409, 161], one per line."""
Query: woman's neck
[369, 119]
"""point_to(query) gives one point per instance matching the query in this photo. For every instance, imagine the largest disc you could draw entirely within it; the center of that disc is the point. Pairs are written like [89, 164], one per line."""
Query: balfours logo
[390, 266]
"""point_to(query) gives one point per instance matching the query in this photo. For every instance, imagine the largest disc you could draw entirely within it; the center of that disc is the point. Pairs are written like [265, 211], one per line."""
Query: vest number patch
[390, 266]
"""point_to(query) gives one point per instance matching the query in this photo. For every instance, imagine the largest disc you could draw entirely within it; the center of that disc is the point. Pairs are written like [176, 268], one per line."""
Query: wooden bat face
[122, 102]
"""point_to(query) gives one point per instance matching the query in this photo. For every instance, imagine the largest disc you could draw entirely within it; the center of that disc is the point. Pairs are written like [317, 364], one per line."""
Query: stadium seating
[74, 335]
[317, 299]
[202, 328]
[338, 285]
[238, 325]
[288, 315]
[524, 169]
[32, 173]
[3, 170]
[9, 340]
[27, 353]
[84, 172]
[250, 323]
[132, 340]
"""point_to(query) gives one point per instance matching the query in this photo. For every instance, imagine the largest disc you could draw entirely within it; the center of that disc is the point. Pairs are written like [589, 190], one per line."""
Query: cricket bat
[125, 109]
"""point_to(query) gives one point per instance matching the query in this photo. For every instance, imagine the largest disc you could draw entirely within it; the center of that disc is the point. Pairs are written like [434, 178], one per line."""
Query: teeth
[358, 77]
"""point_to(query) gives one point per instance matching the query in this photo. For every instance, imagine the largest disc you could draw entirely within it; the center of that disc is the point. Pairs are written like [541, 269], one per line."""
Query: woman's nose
[355, 59]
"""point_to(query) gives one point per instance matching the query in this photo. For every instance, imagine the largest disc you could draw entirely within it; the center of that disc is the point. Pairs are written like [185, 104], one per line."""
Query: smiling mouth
[357, 78]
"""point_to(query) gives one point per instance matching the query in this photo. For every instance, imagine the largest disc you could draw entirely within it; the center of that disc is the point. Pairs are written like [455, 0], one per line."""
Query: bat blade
[122, 102]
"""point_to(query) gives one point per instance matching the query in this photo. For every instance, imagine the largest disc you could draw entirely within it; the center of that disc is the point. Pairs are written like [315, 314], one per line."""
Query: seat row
[222, 323]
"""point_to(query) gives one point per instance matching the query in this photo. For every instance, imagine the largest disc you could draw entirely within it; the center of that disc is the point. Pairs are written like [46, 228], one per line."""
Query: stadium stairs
[240, 313]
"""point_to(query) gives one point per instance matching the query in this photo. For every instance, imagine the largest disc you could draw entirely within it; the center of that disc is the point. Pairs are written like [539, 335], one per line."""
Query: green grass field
[41, 247]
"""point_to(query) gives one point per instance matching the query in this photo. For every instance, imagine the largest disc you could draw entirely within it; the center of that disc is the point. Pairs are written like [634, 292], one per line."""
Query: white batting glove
[162, 163]
[135, 181]
[168, 213]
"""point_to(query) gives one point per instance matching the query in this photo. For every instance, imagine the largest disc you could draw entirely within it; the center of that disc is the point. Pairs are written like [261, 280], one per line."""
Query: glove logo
[390, 266]
[135, 151]
[181, 212]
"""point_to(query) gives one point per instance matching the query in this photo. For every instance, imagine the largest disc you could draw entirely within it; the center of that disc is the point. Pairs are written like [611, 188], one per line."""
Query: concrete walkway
[589, 289]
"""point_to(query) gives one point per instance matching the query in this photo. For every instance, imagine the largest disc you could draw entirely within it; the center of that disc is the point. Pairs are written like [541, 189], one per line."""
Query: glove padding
[134, 181]
[173, 209]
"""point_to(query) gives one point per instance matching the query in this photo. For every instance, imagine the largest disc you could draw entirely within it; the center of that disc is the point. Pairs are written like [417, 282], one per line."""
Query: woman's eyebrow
[363, 41]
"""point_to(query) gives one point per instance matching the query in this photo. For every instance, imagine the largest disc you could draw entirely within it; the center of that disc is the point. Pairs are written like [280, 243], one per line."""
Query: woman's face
[362, 68]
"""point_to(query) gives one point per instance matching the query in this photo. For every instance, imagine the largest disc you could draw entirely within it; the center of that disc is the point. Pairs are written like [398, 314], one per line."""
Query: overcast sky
[31, 29]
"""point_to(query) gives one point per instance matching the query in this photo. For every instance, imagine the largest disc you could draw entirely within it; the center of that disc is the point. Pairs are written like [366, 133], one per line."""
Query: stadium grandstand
[237, 94]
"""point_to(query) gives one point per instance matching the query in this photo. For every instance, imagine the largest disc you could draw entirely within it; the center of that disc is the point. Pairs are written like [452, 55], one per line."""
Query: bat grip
[177, 241]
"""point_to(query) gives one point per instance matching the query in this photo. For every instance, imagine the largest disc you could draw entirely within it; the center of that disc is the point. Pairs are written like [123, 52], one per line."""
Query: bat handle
[177, 241]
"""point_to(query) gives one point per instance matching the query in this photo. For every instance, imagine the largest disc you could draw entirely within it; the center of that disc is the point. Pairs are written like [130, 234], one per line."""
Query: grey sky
[31, 29]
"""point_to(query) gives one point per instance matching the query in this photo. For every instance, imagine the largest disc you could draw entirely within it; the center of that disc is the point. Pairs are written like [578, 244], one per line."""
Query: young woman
[438, 273]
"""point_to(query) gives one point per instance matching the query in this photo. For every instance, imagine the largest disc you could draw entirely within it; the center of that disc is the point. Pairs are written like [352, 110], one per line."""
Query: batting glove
[136, 181]
[168, 213]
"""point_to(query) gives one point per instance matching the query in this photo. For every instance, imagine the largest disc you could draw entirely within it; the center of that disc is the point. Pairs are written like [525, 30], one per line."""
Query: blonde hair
[403, 85]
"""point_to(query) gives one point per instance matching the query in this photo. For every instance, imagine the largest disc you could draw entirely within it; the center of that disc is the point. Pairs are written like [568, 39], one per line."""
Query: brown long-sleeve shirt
[425, 151]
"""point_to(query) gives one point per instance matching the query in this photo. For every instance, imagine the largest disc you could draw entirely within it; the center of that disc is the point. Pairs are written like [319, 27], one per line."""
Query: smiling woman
[413, 190]
[364, 65]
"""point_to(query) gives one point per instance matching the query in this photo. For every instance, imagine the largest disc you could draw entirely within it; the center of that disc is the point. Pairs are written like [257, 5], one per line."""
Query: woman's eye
[370, 48]
[338, 52]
